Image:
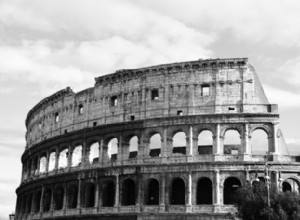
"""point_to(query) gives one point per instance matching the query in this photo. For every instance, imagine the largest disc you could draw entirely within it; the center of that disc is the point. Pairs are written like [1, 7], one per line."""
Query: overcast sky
[51, 44]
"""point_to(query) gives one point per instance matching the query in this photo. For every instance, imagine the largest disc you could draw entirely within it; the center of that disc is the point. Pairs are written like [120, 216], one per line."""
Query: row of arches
[111, 149]
[84, 195]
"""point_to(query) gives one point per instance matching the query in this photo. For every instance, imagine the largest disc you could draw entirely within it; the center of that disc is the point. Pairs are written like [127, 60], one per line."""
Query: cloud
[289, 71]
[284, 98]
[270, 21]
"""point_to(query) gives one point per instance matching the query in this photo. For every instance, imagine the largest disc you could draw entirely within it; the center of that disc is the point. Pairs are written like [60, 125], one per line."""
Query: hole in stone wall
[94, 124]
[205, 142]
[178, 192]
[72, 195]
[56, 117]
[108, 193]
[155, 145]
[63, 158]
[132, 118]
[153, 192]
[76, 156]
[58, 198]
[51, 161]
[89, 195]
[128, 192]
[154, 94]
[80, 109]
[205, 90]
[133, 147]
[179, 143]
[204, 191]
[179, 113]
[114, 101]
[94, 153]
[112, 149]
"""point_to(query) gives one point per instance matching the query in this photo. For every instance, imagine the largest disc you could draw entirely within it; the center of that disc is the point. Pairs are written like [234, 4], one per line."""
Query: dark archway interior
[204, 191]
[47, 200]
[178, 192]
[37, 201]
[230, 186]
[72, 196]
[286, 187]
[29, 202]
[89, 195]
[108, 194]
[58, 198]
[153, 192]
[128, 192]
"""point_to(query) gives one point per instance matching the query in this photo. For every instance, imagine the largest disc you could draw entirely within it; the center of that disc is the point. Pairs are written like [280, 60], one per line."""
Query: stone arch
[259, 141]
[266, 128]
[177, 191]
[112, 148]
[128, 194]
[58, 197]
[152, 196]
[37, 201]
[52, 159]
[108, 193]
[133, 147]
[47, 199]
[72, 195]
[94, 152]
[179, 142]
[232, 141]
[63, 158]
[43, 163]
[231, 184]
[204, 191]
[89, 195]
[76, 155]
[205, 142]
[290, 184]
[155, 145]
[29, 198]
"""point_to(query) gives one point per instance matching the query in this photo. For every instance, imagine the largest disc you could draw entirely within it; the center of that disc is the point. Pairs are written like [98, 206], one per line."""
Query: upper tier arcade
[211, 86]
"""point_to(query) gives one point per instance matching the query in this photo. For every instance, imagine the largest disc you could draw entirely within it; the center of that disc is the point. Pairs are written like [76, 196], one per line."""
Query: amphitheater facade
[152, 143]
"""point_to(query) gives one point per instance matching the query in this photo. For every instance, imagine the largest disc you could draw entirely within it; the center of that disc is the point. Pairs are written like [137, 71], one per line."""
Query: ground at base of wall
[152, 217]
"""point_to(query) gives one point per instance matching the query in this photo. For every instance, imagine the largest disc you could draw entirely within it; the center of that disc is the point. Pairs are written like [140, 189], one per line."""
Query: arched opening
[58, 198]
[94, 153]
[76, 156]
[178, 192]
[28, 203]
[259, 142]
[112, 149]
[232, 142]
[155, 145]
[43, 164]
[51, 161]
[153, 192]
[47, 200]
[231, 184]
[35, 165]
[128, 192]
[133, 147]
[205, 142]
[72, 195]
[89, 195]
[179, 143]
[108, 193]
[23, 203]
[204, 191]
[290, 185]
[63, 158]
[37, 201]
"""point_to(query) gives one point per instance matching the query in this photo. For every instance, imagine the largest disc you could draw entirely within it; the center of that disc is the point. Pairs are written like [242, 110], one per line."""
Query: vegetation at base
[252, 202]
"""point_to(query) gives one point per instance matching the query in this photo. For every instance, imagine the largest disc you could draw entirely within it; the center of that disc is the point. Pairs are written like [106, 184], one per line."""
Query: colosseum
[172, 141]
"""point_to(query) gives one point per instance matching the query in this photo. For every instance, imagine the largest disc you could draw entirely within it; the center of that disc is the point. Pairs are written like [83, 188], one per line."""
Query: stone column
[189, 193]
[52, 202]
[47, 162]
[246, 143]
[97, 193]
[217, 149]
[37, 171]
[65, 197]
[70, 156]
[117, 196]
[162, 193]
[84, 154]
[79, 193]
[42, 198]
[101, 152]
[165, 148]
[273, 146]
[190, 142]
[56, 159]
[217, 195]
[120, 149]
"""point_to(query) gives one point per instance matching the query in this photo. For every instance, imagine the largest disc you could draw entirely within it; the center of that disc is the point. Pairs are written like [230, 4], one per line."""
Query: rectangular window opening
[154, 94]
[94, 123]
[132, 118]
[56, 117]
[179, 113]
[205, 90]
[231, 108]
[114, 101]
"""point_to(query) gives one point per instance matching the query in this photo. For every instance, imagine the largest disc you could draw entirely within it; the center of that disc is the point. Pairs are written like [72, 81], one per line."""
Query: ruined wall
[189, 88]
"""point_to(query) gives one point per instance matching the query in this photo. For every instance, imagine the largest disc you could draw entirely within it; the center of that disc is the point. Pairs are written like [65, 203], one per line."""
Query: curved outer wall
[191, 97]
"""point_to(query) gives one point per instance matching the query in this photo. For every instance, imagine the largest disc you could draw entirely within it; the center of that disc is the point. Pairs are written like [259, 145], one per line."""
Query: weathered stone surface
[158, 176]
